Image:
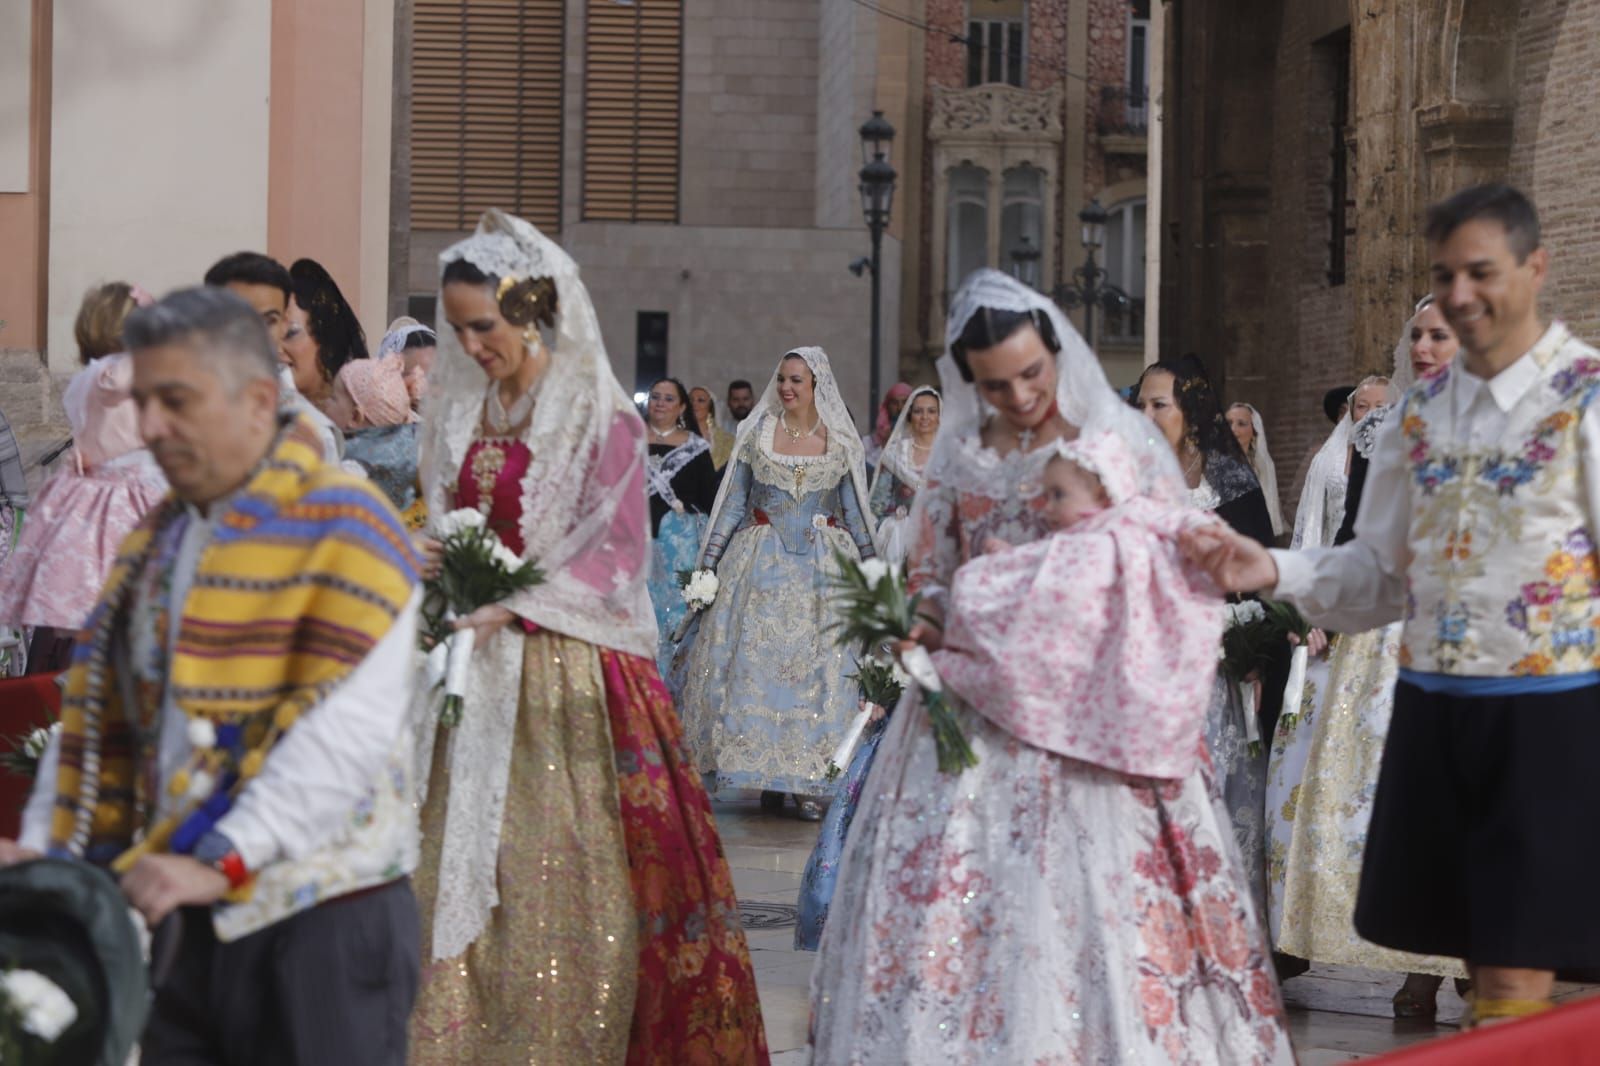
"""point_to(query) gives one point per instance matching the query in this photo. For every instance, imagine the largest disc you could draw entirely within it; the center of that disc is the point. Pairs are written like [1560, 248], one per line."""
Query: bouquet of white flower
[875, 610]
[700, 589]
[477, 569]
[880, 683]
[33, 1005]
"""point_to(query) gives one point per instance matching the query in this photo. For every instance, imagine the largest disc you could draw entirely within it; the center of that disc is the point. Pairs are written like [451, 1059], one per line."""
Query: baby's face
[1071, 494]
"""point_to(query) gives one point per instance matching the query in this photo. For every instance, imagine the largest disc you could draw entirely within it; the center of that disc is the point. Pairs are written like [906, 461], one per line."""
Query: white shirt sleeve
[322, 768]
[41, 803]
[1359, 585]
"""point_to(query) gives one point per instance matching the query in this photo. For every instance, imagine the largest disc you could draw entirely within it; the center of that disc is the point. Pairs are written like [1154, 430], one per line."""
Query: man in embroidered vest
[233, 735]
[1477, 528]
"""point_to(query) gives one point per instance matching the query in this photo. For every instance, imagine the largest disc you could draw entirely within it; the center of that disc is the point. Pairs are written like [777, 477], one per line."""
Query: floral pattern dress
[767, 694]
[1033, 908]
[616, 937]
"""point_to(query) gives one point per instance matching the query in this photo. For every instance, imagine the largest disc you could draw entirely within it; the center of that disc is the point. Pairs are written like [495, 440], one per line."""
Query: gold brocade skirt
[552, 979]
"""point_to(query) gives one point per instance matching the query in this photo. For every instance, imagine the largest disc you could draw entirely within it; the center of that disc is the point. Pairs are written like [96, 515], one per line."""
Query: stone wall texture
[1441, 95]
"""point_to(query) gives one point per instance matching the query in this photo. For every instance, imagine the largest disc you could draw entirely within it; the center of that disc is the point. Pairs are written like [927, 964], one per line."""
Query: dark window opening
[650, 350]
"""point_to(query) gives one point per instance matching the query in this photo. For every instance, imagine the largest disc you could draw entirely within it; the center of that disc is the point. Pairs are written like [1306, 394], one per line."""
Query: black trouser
[333, 984]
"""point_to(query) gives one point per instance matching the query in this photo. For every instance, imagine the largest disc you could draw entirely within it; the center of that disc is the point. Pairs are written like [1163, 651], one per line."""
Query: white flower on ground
[202, 734]
[46, 1011]
[874, 571]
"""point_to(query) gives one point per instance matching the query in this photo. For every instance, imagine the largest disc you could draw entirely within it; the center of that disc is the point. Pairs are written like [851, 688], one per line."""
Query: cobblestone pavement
[1336, 1013]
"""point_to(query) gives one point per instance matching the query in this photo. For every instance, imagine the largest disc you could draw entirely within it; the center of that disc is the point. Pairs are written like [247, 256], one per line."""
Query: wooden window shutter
[486, 111]
[631, 114]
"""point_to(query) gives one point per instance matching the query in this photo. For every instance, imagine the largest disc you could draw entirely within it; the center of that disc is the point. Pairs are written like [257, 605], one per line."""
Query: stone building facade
[144, 144]
[1014, 150]
[752, 255]
[1304, 141]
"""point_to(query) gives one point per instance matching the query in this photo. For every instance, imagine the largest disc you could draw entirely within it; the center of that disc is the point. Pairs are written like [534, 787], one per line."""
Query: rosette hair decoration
[527, 302]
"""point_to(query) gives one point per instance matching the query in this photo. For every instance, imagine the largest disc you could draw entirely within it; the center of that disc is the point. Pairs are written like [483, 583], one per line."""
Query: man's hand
[160, 884]
[432, 553]
[12, 853]
[1235, 562]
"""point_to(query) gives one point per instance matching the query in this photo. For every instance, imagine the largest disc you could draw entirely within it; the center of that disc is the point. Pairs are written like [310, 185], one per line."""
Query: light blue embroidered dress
[765, 695]
[682, 485]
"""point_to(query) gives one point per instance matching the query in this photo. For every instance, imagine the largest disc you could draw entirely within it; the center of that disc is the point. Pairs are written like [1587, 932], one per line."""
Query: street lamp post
[1090, 286]
[877, 197]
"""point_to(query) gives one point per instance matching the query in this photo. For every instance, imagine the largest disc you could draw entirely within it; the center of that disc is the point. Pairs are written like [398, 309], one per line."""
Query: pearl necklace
[663, 436]
[795, 434]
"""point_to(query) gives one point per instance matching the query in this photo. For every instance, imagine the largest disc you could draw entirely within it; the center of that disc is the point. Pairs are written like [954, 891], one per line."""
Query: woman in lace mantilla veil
[766, 695]
[576, 903]
[899, 473]
[1177, 396]
[682, 484]
[1245, 422]
[1034, 906]
[1325, 758]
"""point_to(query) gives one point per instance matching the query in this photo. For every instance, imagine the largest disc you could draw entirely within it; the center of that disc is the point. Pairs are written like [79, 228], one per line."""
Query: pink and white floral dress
[1036, 908]
[76, 522]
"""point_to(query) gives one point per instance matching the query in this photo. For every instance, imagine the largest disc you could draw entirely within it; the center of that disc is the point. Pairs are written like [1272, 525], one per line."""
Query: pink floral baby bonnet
[1097, 642]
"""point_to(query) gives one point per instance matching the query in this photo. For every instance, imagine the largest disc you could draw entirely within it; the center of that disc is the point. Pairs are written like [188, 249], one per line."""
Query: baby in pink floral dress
[1098, 642]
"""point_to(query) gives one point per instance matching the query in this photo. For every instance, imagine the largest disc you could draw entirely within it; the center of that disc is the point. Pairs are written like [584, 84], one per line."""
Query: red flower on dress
[1156, 1002]
[1166, 937]
[1263, 995]
[1222, 933]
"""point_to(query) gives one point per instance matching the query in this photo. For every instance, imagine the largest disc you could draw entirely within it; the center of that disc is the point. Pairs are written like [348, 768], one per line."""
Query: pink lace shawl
[1098, 642]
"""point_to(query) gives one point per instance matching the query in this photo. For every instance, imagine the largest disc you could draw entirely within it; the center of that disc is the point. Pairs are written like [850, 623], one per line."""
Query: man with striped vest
[233, 740]
[1477, 529]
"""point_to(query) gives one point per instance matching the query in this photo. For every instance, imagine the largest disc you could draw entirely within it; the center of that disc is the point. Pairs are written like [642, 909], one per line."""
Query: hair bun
[525, 301]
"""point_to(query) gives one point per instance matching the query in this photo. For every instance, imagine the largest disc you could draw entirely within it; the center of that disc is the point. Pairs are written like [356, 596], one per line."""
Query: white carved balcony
[987, 114]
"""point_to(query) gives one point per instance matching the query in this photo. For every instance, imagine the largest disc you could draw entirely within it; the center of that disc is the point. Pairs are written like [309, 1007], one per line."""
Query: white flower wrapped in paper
[46, 1011]
[701, 590]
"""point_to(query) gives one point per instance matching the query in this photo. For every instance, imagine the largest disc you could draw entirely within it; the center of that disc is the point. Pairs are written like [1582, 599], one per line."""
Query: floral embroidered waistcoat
[1504, 579]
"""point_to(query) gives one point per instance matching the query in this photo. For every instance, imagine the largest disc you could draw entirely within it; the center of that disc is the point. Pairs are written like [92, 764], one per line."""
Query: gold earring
[530, 337]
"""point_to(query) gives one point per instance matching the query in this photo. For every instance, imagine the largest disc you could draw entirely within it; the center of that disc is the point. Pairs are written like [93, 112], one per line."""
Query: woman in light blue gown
[764, 693]
[682, 485]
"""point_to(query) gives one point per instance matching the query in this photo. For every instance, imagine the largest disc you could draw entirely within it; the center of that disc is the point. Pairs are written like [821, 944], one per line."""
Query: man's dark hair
[740, 383]
[1498, 203]
[250, 268]
[213, 318]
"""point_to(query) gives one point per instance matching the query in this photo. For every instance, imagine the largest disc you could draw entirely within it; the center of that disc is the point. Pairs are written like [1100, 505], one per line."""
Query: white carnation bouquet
[477, 569]
[700, 588]
[875, 611]
[31, 1005]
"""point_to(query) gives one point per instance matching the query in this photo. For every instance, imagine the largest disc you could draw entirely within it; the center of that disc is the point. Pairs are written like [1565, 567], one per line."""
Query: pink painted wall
[314, 178]
[23, 233]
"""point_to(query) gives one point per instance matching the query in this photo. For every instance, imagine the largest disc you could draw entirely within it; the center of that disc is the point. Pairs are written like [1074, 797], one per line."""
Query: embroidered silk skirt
[617, 936]
[1328, 755]
[1039, 909]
